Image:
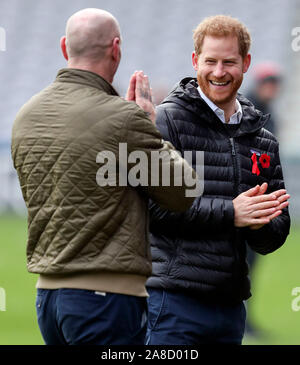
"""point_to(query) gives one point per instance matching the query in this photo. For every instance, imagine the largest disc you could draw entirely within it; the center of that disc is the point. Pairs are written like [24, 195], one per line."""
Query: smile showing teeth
[219, 83]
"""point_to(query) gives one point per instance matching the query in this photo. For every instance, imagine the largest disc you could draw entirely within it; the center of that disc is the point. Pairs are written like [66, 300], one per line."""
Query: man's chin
[220, 100]
[216, 98]
[220, 97]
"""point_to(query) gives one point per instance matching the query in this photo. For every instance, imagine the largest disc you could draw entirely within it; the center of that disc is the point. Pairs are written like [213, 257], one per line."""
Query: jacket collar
[84, 77]
[185, 93]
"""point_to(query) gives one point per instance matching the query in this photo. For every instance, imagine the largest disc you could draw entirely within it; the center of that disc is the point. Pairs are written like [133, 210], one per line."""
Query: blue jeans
[176, 318]
[83, 317]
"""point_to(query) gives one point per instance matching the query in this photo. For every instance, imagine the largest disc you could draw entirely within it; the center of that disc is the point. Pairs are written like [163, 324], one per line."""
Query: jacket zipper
[232, 146]
[235, 174]
[233, 153]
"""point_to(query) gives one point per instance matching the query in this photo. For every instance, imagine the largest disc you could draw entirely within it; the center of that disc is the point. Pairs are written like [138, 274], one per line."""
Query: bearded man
[199, 280]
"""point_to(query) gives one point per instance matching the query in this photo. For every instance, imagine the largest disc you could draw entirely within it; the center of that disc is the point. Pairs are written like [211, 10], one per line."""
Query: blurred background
[157, 38]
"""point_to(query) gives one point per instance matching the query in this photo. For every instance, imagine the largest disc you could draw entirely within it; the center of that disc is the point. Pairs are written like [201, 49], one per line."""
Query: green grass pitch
[270, 307]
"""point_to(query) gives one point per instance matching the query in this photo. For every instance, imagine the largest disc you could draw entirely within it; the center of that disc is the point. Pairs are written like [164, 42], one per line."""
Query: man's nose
[219, 70]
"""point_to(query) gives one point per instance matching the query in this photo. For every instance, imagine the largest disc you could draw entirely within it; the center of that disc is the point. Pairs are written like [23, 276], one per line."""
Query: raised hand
[254, 209]
[130, 96]
[140, 92]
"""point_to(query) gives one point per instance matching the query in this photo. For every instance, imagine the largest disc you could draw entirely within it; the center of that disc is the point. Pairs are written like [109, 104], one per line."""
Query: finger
[261, 220]
[283, 205]
[138, 86]
[130, 96]
[279, 193]
[139, 82]
[274, 215]
[263, 198]
[262, 189]
[147, 87]
[142, 87]
[265, 205]
[283, 198]
[252, 191]
[145, 82]
[271, 212]
[263, 213]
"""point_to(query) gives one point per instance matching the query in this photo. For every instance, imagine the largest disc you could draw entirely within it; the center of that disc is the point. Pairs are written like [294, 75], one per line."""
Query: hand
[140, 92]
[253, 208]
[130, 96]
[263, 188]
[283, 203]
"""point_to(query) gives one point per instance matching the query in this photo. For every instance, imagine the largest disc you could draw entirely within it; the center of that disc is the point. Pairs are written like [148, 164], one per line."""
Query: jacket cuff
[228, 212]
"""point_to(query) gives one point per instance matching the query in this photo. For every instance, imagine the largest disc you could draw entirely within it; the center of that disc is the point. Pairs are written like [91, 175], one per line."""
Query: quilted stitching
[50, 194]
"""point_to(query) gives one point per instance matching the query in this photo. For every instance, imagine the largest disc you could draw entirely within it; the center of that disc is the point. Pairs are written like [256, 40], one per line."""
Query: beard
[220, 98]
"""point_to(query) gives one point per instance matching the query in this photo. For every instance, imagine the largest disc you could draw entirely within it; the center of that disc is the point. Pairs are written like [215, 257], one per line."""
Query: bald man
[93, 35]
[87, 222]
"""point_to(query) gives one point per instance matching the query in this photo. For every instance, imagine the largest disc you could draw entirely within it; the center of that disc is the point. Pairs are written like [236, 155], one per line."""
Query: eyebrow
[207, 58]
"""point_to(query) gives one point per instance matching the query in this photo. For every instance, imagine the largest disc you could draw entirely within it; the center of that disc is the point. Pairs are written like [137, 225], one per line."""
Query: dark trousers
[176, 318]
[83, 317]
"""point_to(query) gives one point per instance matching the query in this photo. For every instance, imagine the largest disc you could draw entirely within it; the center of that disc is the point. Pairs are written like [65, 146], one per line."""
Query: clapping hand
[139, 91]
[254, 208]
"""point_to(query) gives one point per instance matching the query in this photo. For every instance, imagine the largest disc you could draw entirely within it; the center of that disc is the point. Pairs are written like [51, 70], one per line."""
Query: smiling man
[199, 279]
[220, 67]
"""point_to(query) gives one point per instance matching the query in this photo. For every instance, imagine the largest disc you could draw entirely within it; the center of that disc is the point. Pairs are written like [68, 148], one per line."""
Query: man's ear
[246, 63]
[116, 49]
[195, 61]
[63, 47]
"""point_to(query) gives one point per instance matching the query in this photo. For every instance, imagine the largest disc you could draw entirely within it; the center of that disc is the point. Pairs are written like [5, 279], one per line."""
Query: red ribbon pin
[255, 169]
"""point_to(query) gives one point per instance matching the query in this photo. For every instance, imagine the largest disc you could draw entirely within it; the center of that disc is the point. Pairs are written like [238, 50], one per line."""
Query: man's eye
[210, 61]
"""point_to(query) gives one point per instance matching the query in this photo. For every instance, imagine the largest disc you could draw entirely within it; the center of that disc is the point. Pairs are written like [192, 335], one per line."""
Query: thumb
[130, 96]
[252, 191]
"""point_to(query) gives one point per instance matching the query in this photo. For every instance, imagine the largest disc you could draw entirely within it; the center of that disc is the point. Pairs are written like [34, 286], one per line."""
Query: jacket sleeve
[205, 212]
[273, 235]
[161, 168]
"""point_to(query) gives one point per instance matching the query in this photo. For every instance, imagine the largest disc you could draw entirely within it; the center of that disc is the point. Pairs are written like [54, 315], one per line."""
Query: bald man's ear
[63, 47]
[116, 49]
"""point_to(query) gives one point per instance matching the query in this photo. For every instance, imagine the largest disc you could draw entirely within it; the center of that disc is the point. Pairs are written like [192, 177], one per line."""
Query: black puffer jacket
[201, 250]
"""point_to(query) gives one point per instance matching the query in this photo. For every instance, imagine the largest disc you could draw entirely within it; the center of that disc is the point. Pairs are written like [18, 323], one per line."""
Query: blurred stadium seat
[157, 38]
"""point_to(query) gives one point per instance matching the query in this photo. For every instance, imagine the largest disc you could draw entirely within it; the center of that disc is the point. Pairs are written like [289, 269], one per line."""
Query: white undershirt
[234, 119]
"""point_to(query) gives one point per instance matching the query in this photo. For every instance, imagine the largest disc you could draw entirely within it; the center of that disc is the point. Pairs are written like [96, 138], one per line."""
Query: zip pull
[232, 147]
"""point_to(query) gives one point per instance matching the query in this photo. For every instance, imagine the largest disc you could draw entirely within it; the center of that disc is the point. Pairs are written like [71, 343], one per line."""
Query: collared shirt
[234, 119]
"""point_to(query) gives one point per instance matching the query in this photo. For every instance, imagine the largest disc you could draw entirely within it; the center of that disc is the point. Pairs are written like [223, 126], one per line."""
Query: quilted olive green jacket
[81, 234]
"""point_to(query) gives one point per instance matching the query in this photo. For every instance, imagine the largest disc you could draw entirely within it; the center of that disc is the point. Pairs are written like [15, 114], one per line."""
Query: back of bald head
[89, 33]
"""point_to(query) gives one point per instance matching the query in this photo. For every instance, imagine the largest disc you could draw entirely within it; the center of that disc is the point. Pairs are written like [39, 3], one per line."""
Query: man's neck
[98, 69]
[228, 108]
